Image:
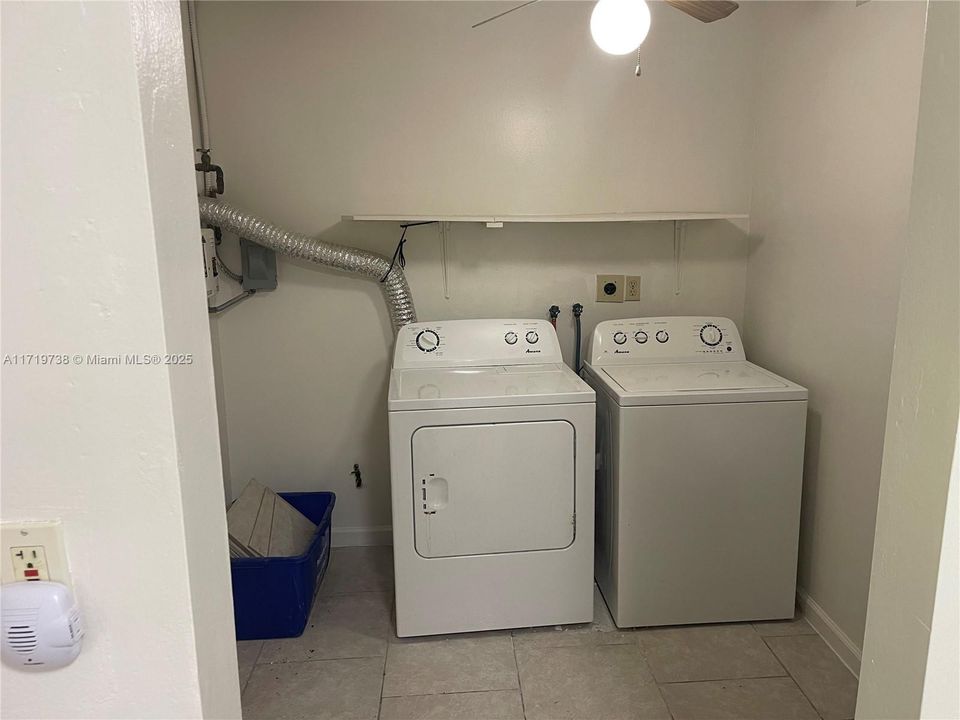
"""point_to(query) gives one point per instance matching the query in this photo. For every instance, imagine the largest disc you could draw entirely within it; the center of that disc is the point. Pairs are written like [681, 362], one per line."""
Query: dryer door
[493, 488]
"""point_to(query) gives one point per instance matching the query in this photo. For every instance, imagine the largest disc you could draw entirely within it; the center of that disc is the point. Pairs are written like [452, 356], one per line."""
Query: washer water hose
[396, 291]
[577, 364]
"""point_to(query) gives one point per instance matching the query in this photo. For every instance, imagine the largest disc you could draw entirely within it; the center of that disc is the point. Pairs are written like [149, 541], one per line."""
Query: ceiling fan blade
[705, 10]
[505, 12]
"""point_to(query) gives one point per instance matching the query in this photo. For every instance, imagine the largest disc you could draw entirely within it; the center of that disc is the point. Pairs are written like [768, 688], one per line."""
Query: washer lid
[498, 386]
[687, 383]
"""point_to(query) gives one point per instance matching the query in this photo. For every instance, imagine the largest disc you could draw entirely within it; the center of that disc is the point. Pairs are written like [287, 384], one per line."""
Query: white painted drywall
[318, 110]
[941, 694]
[921, 434]
[165, 111]
[214, 334]
[836, 111]
[100, 257]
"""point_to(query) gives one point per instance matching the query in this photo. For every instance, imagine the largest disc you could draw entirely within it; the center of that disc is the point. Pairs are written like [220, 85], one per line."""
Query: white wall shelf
[499, 220]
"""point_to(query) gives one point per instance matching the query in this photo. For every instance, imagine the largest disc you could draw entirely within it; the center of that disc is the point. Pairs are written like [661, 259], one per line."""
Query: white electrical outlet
[30, 563]
[631, 287]
[33, 551]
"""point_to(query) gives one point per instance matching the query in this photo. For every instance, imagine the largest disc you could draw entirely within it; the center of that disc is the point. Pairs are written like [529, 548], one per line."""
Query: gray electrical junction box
[259, 266]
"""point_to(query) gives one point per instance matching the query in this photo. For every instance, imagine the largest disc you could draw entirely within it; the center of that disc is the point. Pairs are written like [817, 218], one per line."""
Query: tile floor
[349, 664]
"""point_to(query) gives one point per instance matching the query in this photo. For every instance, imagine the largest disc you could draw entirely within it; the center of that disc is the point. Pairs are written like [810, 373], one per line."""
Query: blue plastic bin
[272, 596]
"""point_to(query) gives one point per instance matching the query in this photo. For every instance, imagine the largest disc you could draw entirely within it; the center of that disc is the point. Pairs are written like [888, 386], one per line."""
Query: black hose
[577, 312]
[554, 313]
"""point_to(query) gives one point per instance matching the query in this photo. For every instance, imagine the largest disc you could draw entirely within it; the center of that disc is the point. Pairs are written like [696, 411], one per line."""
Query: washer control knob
[711, 335]
[662, 336]
[510, 338]
[619, 338]
[640, 336]
[428, 340]
[532, 337]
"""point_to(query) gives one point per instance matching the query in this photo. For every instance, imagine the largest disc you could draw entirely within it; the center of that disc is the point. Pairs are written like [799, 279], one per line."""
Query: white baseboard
[362, 536]
[845, 648]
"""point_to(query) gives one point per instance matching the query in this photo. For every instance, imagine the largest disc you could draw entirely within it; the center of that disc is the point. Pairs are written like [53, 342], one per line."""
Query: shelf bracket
[444, 226]
[679, 235]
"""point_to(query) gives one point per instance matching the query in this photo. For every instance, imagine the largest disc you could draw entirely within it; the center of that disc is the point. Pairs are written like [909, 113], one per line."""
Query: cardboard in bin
[263, 524]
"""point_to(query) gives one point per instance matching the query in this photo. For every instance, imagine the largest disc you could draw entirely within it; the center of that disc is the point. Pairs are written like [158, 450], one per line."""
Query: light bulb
[620, 26]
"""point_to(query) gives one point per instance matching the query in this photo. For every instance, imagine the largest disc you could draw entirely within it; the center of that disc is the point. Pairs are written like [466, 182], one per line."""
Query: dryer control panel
[476, 343]
[664, 339]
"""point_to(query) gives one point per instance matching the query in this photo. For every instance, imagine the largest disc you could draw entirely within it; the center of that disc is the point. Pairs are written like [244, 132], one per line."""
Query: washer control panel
[476, 343]
[664, 339]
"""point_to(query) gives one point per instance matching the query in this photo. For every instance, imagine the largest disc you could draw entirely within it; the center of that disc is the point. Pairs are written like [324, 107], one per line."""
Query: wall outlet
[33, 546]
[30, 563]
[610, 288]
[631, 287]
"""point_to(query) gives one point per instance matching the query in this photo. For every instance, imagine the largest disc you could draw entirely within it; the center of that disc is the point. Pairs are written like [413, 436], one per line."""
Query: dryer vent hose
[396, 291]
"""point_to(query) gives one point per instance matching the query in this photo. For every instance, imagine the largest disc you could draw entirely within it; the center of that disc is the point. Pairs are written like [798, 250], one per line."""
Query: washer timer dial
[428, 340]
[711, 335]
[662, 336]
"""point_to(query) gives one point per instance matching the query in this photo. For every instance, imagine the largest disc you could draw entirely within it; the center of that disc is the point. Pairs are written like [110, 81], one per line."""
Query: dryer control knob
[640, 336]
[510, 338]
[662, 336]
[619, 338]
[428, 340]
[711, 335]
[532, 337]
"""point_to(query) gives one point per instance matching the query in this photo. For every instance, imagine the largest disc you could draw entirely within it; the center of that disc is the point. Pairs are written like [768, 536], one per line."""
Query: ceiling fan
[620, 26]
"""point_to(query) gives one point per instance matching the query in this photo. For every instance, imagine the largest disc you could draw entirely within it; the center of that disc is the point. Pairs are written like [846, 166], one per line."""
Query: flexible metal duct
[396, 292]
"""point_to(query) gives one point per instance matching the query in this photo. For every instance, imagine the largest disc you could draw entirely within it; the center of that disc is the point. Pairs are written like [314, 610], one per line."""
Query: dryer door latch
[435, 494]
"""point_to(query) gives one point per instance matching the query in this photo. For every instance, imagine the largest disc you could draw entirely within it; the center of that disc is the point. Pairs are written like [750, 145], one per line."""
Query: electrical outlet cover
[44, 537]
[631, 287]
[610, 288]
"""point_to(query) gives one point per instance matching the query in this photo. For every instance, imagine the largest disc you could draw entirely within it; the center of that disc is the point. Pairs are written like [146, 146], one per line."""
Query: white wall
[836, 112]
[212, 318]
[100, 256]
[167, 134]
[921, 434]
[941, 695]
[319, 110]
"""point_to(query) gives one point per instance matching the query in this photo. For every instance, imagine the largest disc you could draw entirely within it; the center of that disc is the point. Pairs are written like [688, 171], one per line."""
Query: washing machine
[492, 478]
[699, 474]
